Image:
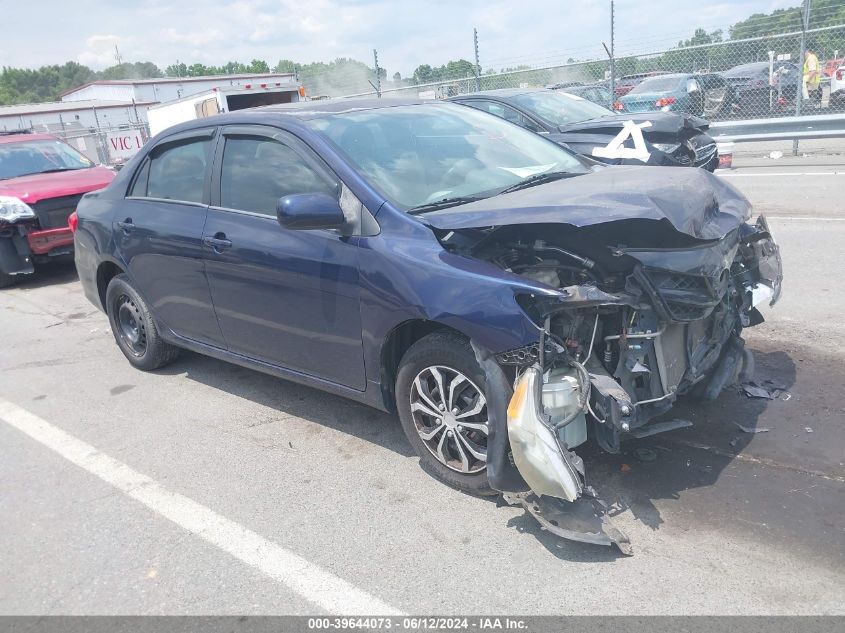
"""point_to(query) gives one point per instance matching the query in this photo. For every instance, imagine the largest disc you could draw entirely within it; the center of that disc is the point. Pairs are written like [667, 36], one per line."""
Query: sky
[406, 33]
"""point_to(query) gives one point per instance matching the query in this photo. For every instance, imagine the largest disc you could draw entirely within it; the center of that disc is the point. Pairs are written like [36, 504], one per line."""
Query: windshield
[658, 84]
[560, 108]
[420, 154]
[37, 157]
[747, 70]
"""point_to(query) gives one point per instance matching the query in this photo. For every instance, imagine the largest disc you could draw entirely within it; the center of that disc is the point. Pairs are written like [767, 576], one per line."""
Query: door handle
[218, 242]
[126, 226]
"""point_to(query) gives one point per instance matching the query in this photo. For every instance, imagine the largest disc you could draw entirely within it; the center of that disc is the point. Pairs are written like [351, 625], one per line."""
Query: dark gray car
[653, 138]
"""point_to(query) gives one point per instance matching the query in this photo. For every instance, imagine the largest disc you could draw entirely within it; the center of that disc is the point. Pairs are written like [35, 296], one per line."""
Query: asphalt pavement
[205, 488]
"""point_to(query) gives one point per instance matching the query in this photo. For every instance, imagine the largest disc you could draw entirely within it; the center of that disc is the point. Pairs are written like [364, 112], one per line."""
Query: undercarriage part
[660, 427]
[727, 371]
[584, 520]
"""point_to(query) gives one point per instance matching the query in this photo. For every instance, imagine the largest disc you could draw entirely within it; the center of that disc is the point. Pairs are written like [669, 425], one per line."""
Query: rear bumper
[43, 242]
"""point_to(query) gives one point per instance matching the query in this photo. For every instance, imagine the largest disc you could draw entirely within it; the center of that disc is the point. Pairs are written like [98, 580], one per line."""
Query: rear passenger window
[257, 171]
[174, 172]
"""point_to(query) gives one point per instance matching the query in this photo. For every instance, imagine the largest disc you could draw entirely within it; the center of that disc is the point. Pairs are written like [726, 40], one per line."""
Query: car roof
[500, 92]
[317, 109]
[296, 112]
[670, 76]
[652, 73]
[20, 138]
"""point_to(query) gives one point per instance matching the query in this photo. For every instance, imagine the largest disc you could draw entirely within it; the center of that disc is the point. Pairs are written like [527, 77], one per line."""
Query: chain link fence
[107, 145]
[749, 78]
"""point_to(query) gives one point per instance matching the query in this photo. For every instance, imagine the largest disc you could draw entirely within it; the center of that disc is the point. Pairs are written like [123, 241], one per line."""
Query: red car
[626, 84]
[41, 181]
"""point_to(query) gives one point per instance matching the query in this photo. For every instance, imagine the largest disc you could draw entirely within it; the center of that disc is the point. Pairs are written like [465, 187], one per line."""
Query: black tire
[128, 315]
[6, 280]
[447, 352]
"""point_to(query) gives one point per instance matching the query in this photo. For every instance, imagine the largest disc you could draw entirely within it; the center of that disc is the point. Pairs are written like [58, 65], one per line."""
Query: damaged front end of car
[632, 314]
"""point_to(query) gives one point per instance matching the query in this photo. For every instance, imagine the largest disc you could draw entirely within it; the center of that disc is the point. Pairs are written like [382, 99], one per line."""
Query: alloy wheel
[450, 415]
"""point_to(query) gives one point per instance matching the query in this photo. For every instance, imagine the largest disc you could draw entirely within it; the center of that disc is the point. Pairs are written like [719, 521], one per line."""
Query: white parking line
[313, 583]
[783, 173]
[808, 218]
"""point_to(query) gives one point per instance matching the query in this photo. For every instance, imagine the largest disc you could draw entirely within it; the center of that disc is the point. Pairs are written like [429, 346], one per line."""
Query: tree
[128, 70]
[424, 74]
[179, 69]
[397, 77]
[258, 66]
[286, 66]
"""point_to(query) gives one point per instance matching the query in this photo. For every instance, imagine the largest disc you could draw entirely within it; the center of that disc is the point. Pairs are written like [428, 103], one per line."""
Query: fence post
[477, 64]
[612, 56]
[799, 96]
[377, 85]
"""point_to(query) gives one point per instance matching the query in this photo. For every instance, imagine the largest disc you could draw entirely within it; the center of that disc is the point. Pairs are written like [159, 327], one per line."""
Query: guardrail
[780, 129]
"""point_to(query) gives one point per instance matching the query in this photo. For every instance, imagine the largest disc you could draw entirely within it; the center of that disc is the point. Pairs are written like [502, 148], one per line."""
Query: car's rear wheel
[443, 408]
[133, 327]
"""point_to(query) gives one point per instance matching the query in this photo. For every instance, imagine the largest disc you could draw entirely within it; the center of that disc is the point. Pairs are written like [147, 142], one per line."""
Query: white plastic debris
[751, 429]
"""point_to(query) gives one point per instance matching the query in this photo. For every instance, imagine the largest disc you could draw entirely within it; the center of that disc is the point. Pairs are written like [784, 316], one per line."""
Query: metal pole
[477, 63]
[805, 21]
[612, 56]
[378, 74]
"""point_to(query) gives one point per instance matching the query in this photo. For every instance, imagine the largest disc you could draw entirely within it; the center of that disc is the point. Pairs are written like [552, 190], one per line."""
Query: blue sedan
[665, 93]
[499, 293]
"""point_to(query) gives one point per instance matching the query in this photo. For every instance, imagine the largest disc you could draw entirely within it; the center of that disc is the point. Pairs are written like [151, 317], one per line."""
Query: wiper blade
[442, 204]
[52, 171]
[538, 179]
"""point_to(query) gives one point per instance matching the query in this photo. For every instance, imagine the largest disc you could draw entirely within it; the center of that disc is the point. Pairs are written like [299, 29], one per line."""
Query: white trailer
[219, 100]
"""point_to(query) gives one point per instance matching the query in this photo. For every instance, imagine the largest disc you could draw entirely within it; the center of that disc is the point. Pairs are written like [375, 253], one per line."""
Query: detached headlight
[669, 148]
[13, 209]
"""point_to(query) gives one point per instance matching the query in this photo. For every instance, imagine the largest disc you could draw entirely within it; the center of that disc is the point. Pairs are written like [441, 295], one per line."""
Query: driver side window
[256, 171]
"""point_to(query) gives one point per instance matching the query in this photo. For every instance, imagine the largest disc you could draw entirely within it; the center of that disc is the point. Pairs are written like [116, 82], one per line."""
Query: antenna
[117, 55]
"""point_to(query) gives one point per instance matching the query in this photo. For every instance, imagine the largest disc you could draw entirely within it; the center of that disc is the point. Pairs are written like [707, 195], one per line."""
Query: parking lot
[205, 488]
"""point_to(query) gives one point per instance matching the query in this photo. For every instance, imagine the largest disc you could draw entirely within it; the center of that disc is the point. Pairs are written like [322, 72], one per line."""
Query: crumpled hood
[694, 201]
[661, 123]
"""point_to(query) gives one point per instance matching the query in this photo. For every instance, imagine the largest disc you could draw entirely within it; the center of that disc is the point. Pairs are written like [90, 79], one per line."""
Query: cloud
[99, 50]
[192, 38]
[406, 33]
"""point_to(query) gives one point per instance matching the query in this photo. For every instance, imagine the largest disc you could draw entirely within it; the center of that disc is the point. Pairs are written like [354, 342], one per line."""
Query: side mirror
[306, 211]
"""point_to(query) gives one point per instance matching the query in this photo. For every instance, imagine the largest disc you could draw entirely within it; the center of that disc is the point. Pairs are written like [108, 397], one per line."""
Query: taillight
[618, 106]
[839, 75]
[73, 221]
[664, 101]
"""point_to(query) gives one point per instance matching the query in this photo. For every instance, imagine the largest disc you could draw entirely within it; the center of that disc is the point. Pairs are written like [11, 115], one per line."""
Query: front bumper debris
[585, 520]
[559, 498]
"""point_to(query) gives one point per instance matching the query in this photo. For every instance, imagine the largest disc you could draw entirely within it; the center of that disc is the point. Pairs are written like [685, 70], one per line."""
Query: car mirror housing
[306, 211]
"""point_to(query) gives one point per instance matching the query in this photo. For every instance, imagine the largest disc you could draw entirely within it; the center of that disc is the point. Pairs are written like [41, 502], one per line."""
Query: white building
[169, 88]
[59, 117]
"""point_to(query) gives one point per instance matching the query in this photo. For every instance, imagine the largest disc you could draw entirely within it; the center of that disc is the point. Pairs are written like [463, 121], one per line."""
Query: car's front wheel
[443, 408]
[133, 327]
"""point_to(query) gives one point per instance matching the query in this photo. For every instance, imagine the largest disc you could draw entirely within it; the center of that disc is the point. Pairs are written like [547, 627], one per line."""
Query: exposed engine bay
[625, 329]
